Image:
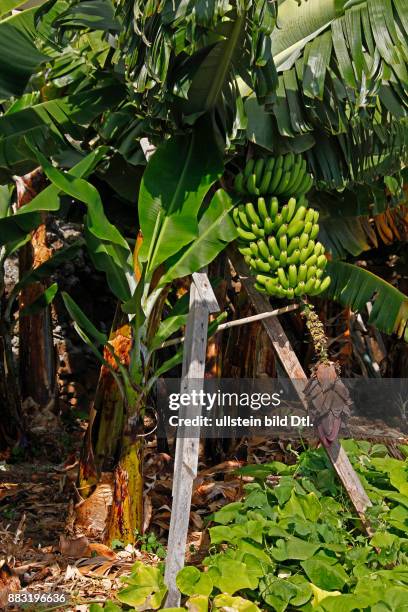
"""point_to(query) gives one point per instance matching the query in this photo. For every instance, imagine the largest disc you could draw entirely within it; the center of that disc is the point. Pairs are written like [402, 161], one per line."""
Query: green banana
[276, 177]
[300, 178]
[258, 231]
[303, 240]
[311, 261]
[245, 235]
[268, 225]
[251, 185]
[316, 288]
[319, 248]
[282, 278]
[273, 247]
[294, 174]
[258, 169]
[302, 273]
[254, 248]
[282, 230]
[273, 262]
[262, 210]
[292, 275]
[300, 288]
[270, 164]
[295, 257]
[263, 249]
[283, 258]
[262, 266]
[293, 245]
[299, 214]
[311, 272]
[283, 242]
[252, 214]
[314, 231]
[243, 218]
[307, 185]
[309, 286]
[307, 251]
[281, 188]
[308, 227]
[278, 241]
[249, 166]
[291, 209]
[274, 207]
[284, 213]
[245, 251]
[239, 183]
[288, 161]
[325, 284]
[295, 228]
[304, 185]
[264, 184]
[260, 288]
[277, 222]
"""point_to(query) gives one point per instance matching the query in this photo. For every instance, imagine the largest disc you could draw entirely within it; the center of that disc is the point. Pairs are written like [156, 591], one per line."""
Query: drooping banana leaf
[354, 286]
[215, 231]
[19, 54]
[15, 227]
[49, 122]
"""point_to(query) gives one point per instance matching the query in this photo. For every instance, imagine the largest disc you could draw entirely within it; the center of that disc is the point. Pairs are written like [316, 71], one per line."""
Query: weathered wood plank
[206, 291]
[186, 456]
[294, 370]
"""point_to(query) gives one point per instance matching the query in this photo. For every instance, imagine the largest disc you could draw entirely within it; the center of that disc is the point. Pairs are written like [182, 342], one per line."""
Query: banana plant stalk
[36, 347]
[181, 231]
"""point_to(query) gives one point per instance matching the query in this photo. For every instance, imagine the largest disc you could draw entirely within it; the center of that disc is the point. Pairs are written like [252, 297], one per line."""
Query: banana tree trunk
[112, 443]
[11, 424]
[36, 347]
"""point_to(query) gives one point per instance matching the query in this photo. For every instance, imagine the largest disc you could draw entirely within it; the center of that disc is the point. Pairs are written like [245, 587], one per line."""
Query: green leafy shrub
[297, 545]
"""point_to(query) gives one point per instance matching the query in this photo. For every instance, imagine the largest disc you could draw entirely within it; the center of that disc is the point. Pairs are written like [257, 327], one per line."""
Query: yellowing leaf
[320, 594]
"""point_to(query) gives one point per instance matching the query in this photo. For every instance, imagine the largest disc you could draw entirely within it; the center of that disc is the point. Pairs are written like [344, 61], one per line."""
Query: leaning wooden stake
[202, 303]
[294, 370]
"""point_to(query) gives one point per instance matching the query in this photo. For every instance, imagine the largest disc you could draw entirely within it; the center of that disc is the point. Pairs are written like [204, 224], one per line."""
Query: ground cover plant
[294, 543]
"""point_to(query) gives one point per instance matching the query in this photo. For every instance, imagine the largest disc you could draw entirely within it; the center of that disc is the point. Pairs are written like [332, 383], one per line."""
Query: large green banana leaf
[172, 190]
[16, 226]
[215, 231]
[354, 286]
[47, 123]
[19, 55]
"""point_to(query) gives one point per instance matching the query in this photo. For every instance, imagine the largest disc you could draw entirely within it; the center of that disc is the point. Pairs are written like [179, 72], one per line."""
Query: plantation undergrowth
[297, 544]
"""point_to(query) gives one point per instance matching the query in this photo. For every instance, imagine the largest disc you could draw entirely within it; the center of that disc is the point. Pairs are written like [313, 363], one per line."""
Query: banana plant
[185, 224]
[15, 234]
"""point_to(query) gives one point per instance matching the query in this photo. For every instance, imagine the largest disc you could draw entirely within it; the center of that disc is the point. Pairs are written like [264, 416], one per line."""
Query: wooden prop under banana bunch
[277, 236]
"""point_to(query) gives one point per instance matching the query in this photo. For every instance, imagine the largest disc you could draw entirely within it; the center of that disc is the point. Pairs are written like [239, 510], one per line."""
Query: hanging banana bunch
[279, 241]
[284, 176]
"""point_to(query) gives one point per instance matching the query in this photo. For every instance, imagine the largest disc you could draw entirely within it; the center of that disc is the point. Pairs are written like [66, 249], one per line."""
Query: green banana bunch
[284, 176]
[279, 245]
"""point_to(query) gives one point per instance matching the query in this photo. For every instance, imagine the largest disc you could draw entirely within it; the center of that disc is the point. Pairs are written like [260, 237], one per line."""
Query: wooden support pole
[238, 322]
[294, 370]
[186, 457]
